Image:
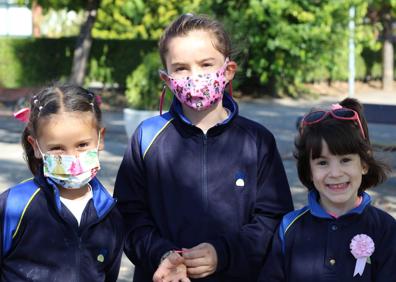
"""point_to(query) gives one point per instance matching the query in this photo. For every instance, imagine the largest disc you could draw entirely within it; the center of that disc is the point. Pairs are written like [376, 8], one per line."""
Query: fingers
[173, 275]
[174, 259]
[199, 272]
[200, 260]
[171, 269]
[199, 251]
[195, 262]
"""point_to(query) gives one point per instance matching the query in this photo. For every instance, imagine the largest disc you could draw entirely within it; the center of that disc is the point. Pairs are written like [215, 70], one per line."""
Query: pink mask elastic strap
[162, 99]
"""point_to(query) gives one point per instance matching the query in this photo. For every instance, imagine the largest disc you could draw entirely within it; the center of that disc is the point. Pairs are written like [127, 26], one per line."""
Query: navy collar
[228, 103]
[317, 210]
[102, 200]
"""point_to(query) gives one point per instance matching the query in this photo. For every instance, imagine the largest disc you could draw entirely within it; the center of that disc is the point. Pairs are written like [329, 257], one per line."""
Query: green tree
[383, 13]
[289, 42]
[139, 19]
[84, 39]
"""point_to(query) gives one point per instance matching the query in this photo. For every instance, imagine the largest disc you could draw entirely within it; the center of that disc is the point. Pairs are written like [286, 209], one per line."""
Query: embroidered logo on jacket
[102, 255]
[240, 179]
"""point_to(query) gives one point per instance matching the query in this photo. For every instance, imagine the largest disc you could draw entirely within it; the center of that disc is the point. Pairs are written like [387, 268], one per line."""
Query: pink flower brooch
[362, 247]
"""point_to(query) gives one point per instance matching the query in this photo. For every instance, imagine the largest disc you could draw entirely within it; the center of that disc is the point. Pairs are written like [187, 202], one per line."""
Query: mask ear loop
[162, 99]
[38, 147]
[99, 141]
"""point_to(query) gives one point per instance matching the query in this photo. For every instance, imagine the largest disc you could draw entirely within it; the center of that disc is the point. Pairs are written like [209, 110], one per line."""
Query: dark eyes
[184, 68]
[60, 149]
[324, 162]
[345, 160]
[83, 145]
[56, 149]
[180, 69]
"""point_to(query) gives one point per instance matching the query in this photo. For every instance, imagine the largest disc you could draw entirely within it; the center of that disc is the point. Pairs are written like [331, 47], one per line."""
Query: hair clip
[335, 106]
[22, 115]
[98, 100]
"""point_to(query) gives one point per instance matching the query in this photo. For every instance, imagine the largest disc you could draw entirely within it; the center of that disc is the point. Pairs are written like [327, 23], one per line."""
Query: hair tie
[22, 115]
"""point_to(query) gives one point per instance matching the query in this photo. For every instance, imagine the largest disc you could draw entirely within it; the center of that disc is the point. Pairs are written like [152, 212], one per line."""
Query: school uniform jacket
[312, 246]
[227, 187]
[50, 246]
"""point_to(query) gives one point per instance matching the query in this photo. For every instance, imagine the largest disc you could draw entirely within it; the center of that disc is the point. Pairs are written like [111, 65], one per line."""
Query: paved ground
[278, 115]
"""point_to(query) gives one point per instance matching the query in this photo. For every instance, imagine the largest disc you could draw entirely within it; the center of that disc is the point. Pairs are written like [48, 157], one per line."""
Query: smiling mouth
[338, 186]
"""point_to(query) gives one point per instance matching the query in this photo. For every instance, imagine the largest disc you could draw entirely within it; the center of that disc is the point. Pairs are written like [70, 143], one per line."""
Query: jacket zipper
[81, 234]
[205, 173]
[78, 259]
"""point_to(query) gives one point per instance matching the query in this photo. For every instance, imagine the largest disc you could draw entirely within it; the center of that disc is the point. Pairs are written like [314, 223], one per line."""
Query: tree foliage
[74, 5]
[282, 44]
[291, 42]
[138, 18]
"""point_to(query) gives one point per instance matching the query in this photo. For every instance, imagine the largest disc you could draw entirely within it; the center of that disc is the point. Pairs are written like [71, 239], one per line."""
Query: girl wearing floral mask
[202, 195]
[69, 229]
[338, 236]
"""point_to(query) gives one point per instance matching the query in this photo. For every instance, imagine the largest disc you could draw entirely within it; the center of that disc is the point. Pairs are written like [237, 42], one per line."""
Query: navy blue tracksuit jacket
[227, 187]
[313, 246]
[49, 245]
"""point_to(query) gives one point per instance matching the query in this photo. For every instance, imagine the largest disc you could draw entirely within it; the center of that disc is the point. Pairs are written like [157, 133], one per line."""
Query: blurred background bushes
[36, 61]
[279, 45]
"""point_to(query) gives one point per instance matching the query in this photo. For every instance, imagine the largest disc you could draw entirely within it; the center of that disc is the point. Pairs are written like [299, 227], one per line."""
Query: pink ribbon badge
[362, 247]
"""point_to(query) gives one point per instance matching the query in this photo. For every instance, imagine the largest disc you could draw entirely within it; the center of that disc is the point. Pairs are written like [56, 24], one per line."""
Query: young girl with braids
[66, 227]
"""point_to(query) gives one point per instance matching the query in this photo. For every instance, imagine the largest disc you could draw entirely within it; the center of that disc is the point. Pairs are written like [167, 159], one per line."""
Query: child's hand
[201, 260]
[171, 269]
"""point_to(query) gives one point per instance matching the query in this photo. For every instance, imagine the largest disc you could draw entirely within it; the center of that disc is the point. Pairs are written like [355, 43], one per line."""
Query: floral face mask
[200, 92]
[72, 172]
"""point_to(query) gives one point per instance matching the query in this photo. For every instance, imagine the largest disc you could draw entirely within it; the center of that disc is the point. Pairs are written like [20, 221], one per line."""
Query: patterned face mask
[201, 91]
[72, 172]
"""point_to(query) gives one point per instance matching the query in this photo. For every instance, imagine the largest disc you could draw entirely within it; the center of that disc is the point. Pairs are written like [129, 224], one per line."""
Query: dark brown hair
[188, 22]
[342, 137]
[52, 100]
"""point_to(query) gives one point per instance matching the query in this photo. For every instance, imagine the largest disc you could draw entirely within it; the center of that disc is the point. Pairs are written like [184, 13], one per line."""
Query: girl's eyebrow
[206, 60]
[86, 140]
[176, 64]
[54, 144]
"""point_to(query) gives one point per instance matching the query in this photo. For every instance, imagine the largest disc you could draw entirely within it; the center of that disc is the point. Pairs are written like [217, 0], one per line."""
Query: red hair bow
[22, 115]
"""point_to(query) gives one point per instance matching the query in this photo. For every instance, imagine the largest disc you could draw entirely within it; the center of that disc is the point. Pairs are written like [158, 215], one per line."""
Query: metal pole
[351, 79]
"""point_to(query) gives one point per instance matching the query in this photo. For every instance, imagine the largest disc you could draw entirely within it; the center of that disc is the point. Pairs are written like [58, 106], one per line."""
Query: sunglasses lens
[314, 116]
[345, 113]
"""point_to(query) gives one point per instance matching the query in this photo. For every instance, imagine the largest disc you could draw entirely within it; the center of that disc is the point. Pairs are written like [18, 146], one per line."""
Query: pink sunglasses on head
[339, 113]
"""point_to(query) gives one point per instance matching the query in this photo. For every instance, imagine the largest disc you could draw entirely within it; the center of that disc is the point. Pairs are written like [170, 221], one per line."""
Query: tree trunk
[83, 44]
[37, 17]
[387, 59]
